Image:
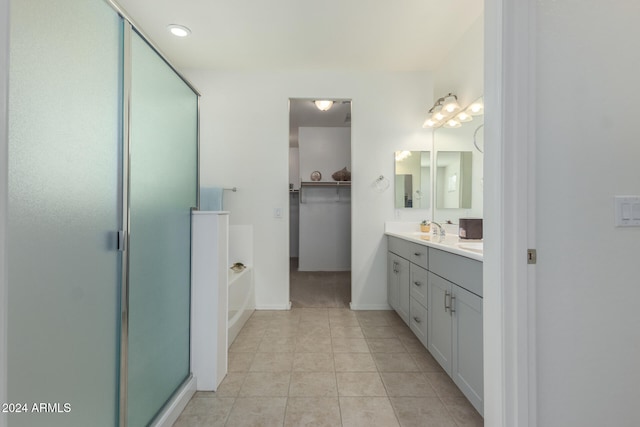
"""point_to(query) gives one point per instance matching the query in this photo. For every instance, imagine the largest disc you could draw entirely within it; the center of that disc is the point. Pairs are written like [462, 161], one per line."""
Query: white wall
[325, 212]
[326, 150]
[244, 143]
[462, 72]
[588, 272]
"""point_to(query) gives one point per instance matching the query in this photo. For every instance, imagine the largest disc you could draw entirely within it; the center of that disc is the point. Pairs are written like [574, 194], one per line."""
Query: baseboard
[176, 405]
[369, 306]
[274, 307]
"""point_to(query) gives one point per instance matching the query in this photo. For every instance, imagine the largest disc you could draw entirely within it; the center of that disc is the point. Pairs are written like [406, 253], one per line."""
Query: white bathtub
[241, 301]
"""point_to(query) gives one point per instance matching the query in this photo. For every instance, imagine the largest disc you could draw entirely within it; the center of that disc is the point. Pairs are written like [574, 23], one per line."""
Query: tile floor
[330, 367]
[318, 288]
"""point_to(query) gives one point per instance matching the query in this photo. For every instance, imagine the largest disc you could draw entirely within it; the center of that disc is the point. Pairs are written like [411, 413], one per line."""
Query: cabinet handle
[417, 319]
[417, 253]
[395, 266]
[453, 298]
[417, 283]
[446, 307]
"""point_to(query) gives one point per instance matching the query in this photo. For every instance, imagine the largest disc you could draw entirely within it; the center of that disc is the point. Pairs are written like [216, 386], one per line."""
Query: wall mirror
[459, 168]
[412, 179]
[453, 179]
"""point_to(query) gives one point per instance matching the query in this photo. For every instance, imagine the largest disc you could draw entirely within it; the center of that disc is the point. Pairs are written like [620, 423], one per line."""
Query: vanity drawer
[464, 272]
[419, 278]
[414, 252]
[418, 320]
[399, 247]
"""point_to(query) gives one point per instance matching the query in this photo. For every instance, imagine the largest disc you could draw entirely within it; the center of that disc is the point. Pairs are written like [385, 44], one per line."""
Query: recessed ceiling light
[179, 30]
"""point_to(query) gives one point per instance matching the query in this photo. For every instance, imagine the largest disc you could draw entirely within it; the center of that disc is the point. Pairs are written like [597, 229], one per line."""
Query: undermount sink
[472, 246]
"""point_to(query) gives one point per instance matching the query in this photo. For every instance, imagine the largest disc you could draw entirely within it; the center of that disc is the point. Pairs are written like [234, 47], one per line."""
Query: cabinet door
[467, 364]
[393, 280]
[404, 290]
[440, 320]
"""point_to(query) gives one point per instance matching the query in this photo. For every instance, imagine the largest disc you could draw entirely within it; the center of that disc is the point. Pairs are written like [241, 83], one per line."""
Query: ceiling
[401, 35]
[303, 113]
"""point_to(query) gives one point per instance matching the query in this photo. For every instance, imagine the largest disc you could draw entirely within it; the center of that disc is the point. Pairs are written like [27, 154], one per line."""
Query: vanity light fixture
[323, 104]
[446, 112]
[179, 30]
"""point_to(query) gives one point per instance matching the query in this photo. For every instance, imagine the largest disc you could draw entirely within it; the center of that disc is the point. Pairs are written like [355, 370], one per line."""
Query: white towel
[211, 199]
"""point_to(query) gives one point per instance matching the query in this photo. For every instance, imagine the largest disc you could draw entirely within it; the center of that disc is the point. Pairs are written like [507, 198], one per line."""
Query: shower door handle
[120, 240]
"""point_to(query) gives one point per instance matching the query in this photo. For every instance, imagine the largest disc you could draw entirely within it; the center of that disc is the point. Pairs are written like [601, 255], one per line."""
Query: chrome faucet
[440, 232]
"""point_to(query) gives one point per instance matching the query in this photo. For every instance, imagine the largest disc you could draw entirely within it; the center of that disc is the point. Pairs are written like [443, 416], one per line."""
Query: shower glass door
[162, 191]
[63, 260]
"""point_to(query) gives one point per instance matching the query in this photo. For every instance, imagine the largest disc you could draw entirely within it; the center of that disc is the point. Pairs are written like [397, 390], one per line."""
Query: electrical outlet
[277, 212]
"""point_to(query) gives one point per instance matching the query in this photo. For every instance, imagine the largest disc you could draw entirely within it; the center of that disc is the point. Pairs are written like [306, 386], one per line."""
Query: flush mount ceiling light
[323, 104]
[179, 30]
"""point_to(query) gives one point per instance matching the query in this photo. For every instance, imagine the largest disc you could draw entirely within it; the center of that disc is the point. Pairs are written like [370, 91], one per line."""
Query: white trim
[509, 303]
[176, 405]
[4, 200]
[274, 307]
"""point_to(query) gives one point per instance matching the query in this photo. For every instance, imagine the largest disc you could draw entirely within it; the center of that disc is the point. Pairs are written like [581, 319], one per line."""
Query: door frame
[509, 291]
[288, 218]
[4, 200]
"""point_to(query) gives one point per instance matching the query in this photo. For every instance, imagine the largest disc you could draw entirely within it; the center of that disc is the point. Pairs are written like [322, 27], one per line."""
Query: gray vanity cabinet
[439, 295]
[455, 321]
[398, 285]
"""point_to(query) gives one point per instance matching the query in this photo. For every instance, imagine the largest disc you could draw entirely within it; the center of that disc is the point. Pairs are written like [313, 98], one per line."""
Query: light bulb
[452, 123]
[464, 117]
[450, 104]
[429, 123]
[323, 105]
[476, 108]
[438, 116]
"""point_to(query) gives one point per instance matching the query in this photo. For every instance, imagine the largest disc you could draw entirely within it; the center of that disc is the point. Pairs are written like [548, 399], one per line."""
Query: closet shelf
[325, 184]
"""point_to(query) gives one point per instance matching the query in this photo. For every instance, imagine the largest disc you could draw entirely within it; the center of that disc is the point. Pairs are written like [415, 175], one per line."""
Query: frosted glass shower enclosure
[103, 174]
[163, 188]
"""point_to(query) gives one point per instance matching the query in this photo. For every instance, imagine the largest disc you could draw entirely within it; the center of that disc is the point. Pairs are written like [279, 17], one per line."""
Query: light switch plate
[627, 211]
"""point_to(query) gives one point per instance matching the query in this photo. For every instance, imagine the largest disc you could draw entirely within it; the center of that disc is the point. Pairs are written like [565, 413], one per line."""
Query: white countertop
[451, 243]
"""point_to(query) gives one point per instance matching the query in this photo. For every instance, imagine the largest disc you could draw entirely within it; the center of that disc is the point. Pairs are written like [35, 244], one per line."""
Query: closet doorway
[320, 203]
